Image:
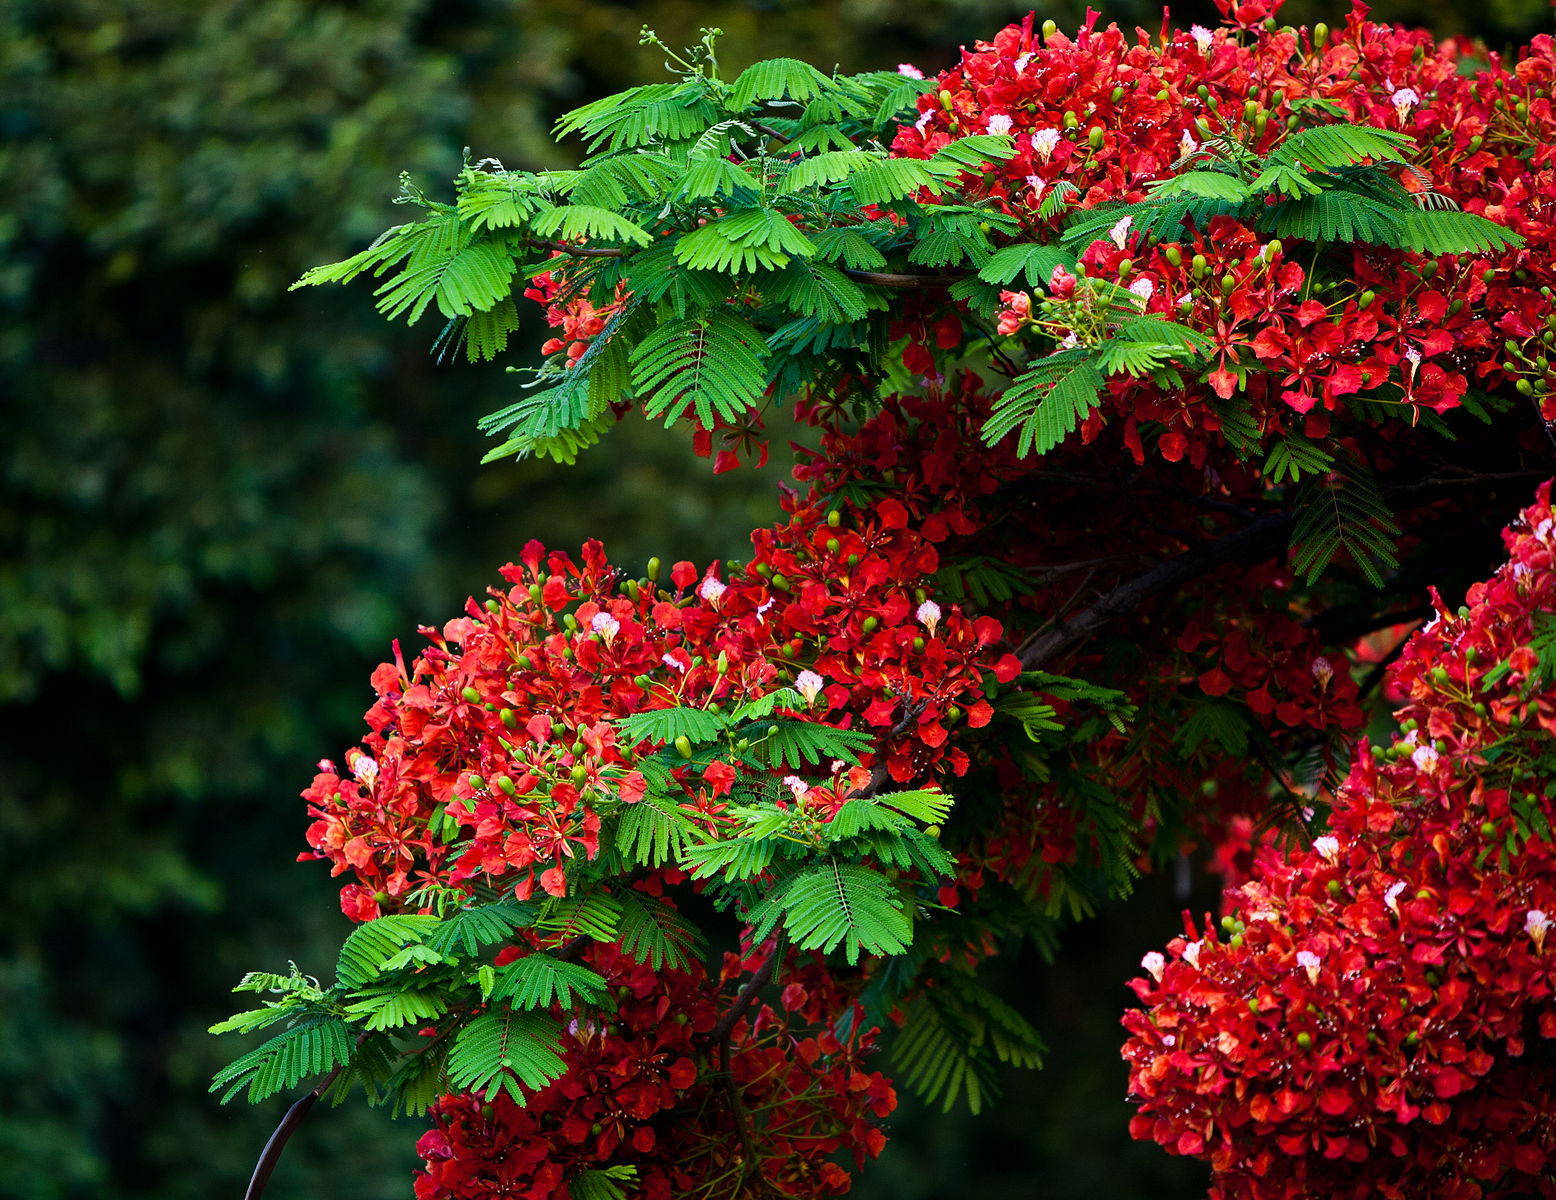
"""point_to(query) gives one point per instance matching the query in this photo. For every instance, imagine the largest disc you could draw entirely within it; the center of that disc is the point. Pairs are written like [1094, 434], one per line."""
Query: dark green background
[220, 501]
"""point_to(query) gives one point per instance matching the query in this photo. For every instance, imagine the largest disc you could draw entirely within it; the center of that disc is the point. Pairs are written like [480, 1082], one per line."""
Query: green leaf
[574, 221]
[664, 725]
[844, 245]
[539, 980]
[952, 1037]
[654, 933]
[713, 365]
[707, 178]
[775, 79]
[1036, 262]
[373, 943]
[1295, 456]
[837, 904]
[799, 744]
[1147, 344]
[501, 1049]
[468, 276]
[1047, 401]
[316, 1044]
[889, 179]
[1213, 185]
[390, 1007]
[1327, 146]
[814, 289]
[926, 805]
[973, 151]
[606, 1183]
[1343, 510]
[817, 170]
[653, 831]
[743, 241]
[593, 916]
[466, 930]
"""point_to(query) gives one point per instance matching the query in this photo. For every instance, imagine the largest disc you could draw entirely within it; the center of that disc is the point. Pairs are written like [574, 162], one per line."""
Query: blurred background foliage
[219, 502]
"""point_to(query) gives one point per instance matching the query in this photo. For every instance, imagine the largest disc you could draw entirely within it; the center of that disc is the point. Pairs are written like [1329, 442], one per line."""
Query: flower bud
[1320, 35]
[506, 785]
[683, 746]
[471, 695]
[653, 570]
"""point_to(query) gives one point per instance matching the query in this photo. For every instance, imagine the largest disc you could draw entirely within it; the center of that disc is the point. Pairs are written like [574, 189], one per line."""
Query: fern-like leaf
[1344, 510]
[837, 904]
[539, 980]
[1047, 401]
[654, 933]
[713, 365]
[317, 1043]
[501, 1049]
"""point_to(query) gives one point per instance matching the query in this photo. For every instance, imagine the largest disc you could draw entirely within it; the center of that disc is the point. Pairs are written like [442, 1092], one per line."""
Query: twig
[719, 1037]
[270, 1156]
[1250, 542]
[886, 279]
[744, 999]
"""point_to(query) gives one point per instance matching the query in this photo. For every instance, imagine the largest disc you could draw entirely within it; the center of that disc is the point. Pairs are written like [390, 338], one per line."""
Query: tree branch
[746, 997]
[1250, 543]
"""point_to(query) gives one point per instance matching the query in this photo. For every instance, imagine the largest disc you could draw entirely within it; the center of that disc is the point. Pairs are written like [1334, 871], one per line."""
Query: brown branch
[873, 278]
[1250, 543]
[719, 1037]
[744, 999]
[270, 1156]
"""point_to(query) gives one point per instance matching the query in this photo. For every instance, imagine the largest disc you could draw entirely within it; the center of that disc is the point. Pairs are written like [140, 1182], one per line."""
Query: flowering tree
[1157, 377]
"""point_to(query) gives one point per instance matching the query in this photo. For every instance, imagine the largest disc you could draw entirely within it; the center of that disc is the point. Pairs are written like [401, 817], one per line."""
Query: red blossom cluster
[1109, 114]
[499, 735]
[638, 1072]
[1378, 1020]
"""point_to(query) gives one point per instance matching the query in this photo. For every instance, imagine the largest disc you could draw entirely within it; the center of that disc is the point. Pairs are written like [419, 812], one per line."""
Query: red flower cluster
[1108, 115]
[646, 1090]
[497, 739]
[1378, 1021]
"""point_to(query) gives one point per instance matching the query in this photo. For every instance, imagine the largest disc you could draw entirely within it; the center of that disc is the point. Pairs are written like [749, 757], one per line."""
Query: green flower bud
[1364, 301]
[1095, 137]
[1320, 35]
[1201, 265]
[1049, 29]
[1173, 255]
[683, 746]
[1305, 1040]
[653, 570]
[477, 783]
[833, 545]
[471, 695]
[506, 785]
[834, 518]
[509, 718]
[1118, 94]
[1126, 268]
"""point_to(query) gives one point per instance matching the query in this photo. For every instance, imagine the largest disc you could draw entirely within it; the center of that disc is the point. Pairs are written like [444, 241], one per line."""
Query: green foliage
[954, 1034]
[538, 980]
[835, 904]
[505, 1051]
[1344, 511]
[313, 1046]
[1327, 183]
[1046, 401]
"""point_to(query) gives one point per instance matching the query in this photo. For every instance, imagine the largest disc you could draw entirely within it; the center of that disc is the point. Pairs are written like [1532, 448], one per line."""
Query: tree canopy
[1158, 380]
